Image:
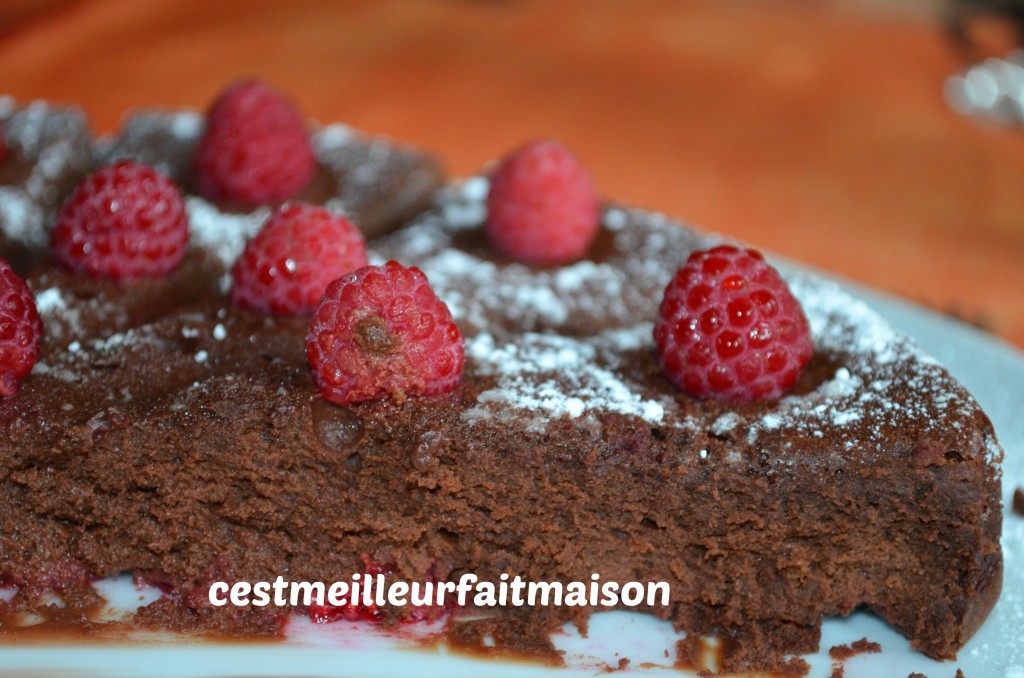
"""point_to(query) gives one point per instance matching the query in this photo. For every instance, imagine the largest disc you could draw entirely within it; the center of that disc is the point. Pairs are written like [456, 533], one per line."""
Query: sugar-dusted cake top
[553, 355]
[558, 347]
[575, 342]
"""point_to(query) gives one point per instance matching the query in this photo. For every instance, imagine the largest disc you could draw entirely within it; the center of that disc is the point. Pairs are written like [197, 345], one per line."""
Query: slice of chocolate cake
[192, 446]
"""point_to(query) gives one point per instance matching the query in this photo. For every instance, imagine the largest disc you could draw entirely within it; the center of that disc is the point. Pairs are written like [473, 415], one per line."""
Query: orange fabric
[810, 130]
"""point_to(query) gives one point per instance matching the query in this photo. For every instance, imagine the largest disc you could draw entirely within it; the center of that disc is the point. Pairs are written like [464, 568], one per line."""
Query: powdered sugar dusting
[54, 142]
[993, 451]
[555, 376]
[332, 137]
[577, 298]
[725, 423]
[21, 218]
[886, 382]
[840, 322]
[57, 372]
[58, 316]
[463, 203]
[164, 139]
[187, 125]
[222, 234]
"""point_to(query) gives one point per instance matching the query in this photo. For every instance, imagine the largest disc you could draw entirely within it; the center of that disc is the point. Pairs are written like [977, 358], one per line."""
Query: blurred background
[819, 130]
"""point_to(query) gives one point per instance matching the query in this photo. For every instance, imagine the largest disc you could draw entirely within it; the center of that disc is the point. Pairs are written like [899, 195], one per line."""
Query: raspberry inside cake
[168, 434]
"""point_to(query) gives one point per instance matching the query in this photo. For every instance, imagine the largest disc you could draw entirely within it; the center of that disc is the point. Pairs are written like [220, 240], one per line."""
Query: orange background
[816, 130]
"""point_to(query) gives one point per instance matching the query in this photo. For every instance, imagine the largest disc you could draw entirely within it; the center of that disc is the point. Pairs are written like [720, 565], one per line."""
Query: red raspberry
[255, 149]
[729, 328]
[123, 221]
[542, 208]
[20, 331]
[382, 331]
[288, 265]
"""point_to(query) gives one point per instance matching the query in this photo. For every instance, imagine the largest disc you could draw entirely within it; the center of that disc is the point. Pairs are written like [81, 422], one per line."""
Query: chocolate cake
[167, 434]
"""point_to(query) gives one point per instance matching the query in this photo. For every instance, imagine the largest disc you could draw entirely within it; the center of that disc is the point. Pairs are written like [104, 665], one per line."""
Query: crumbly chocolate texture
[193, 445]
[49, 151]
[862, 646]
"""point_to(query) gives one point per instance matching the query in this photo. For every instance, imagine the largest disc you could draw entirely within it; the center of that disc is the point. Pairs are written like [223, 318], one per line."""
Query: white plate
[991, 370]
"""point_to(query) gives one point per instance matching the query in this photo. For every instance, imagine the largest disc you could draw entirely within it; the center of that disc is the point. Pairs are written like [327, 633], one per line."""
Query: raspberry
[288, 265]
[123, 221]
[255, 149]
[729, 328]
[20, 331]
[542, 208]
[381, 331]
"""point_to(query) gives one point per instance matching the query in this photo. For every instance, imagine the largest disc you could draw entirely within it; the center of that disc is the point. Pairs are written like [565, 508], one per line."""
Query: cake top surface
[553, 354]
[566, 342]
[557, 349]
[356, 171]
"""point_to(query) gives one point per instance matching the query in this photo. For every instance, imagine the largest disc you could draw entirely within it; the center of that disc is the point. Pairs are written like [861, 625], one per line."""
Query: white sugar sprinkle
[222, 234]
[21, 219]
[615, 219]
[333, 136]
[50, 300]
[725, 423]
[559, 376]
[186, 125]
